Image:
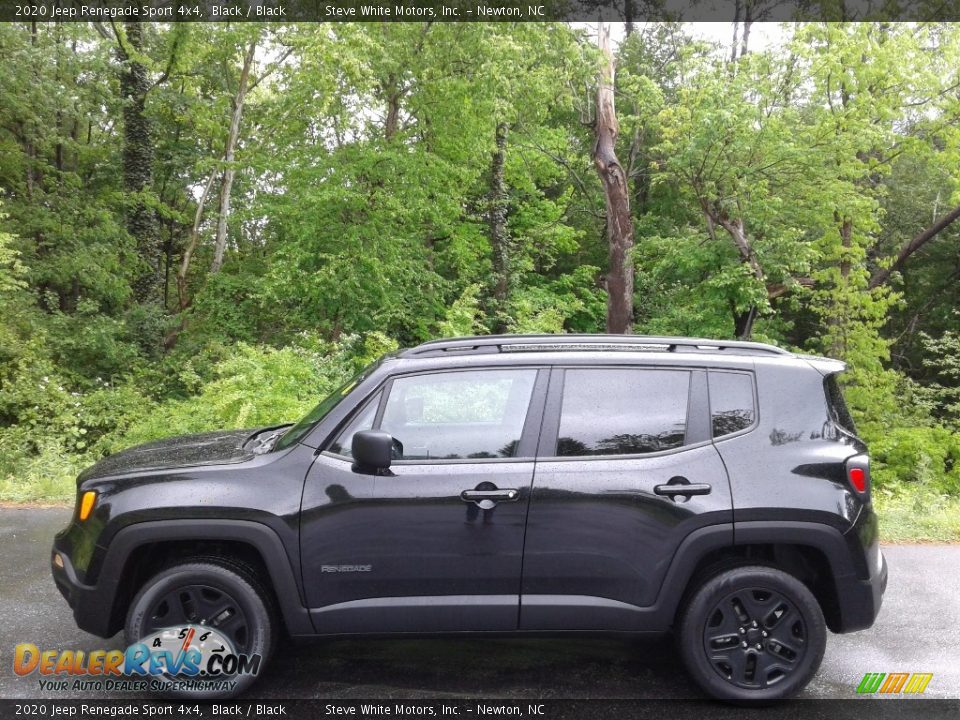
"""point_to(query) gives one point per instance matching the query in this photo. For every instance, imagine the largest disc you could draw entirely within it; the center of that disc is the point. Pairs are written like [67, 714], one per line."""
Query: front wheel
[752, 633]
[216, 607]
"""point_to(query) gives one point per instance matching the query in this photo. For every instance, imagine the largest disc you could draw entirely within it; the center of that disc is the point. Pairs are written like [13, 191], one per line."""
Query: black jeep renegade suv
[521, 484]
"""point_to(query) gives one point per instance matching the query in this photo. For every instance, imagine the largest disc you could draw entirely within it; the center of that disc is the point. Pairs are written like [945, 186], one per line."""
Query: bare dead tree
[183, 299]
[229, 171]
[617, 193]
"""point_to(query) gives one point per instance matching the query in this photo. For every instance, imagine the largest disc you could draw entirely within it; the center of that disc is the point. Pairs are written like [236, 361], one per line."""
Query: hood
[211, 448]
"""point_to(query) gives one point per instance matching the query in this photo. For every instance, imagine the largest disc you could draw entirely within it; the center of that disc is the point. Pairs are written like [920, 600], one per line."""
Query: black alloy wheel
[200, 605]
[752, 633]
[755, 638]
[224, 595]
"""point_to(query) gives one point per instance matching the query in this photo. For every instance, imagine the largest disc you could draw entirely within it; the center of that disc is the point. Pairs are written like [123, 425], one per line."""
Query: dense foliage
[211, 225]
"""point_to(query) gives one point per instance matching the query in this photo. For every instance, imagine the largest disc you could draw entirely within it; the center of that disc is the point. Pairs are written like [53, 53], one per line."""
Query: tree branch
[882, 275]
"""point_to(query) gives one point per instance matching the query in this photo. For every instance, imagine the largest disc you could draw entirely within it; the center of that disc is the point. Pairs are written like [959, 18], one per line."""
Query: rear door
[626, 470]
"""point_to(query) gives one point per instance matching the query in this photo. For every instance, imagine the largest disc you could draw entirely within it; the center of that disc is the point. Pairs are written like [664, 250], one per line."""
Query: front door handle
[478, 496]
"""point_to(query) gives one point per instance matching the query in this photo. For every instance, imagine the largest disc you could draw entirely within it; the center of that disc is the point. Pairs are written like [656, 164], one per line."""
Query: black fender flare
[283, 576]
[825, 538]
[698, 544]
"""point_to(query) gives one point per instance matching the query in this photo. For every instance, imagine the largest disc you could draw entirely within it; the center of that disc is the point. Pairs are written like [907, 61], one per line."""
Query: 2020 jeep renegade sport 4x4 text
[520, 484]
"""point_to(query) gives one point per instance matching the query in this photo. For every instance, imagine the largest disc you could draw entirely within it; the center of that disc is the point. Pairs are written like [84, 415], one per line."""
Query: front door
[620, 446]
[436, 542]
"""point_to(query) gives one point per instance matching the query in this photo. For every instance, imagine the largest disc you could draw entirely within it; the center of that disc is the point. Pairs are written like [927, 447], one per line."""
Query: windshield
[293, 435]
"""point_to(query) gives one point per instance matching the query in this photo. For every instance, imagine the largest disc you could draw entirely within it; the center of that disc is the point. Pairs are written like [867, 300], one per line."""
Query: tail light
[858, 473]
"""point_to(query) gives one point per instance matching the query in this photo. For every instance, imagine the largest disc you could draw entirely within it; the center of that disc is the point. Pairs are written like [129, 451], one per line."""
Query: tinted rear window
[731, 402]
[622, 411]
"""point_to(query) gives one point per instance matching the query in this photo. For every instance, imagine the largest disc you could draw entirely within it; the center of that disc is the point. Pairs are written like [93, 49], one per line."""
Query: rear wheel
[752, 633]
[207, 594]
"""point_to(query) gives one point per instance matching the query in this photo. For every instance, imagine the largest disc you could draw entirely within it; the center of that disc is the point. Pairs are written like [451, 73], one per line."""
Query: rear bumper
[860, 600]
[850, 587]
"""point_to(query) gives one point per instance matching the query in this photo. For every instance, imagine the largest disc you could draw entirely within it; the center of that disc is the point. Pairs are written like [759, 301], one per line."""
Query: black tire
[253, 628]
[719, 618]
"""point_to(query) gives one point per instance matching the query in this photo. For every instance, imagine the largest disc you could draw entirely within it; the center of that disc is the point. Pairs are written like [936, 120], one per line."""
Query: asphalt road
[918, 631]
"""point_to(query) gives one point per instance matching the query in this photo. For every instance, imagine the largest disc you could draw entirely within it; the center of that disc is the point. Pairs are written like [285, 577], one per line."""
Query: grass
[918, 516]
[50, 489]
[47, 478]
[47, 490]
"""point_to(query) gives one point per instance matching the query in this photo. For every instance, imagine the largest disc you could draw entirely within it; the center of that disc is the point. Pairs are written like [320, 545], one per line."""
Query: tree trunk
[393, 95]
[742, 321]
[838, 319]
[745, 36]
[183, 299]
[846, 242]
[141, 220]
[229, 171]
[499, 241]
[918, 241]
[393, 118]
[734, 46]
[616, 191]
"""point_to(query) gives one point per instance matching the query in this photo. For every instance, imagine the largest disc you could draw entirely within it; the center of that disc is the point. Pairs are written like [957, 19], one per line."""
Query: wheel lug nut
[764, 633]
[743, 644]
[742, 631]
[754, 623]
[759, 646]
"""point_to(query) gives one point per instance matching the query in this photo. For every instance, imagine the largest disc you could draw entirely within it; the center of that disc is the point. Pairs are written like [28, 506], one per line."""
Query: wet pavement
[918, 631]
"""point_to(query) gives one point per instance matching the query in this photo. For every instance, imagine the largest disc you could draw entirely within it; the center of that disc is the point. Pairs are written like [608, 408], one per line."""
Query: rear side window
[622, 411]
[731, 402]
[839, 412]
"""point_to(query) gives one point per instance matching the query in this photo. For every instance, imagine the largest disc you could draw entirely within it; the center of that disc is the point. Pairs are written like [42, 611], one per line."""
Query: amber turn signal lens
[86, 504]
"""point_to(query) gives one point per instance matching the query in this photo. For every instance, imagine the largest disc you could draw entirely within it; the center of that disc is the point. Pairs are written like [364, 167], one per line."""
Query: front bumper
[92, 605]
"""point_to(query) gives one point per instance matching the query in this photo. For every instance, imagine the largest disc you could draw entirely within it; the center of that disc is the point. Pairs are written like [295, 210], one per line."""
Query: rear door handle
[494, 495]
[673, 490]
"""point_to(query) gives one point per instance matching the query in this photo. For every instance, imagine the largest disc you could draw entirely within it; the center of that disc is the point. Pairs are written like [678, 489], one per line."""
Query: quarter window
[731, 402]
[459, 415]
[838, 406]
[363, 420]
[622, 411]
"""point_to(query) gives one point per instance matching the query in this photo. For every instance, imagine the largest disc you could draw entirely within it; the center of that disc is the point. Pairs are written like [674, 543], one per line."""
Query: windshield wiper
[263, 442]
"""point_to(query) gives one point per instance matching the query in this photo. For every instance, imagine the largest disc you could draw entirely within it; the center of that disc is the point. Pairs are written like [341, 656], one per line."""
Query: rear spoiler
[824, 365]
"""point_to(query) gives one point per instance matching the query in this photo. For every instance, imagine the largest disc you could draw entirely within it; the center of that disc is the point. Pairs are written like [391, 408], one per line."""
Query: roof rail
[587, 342]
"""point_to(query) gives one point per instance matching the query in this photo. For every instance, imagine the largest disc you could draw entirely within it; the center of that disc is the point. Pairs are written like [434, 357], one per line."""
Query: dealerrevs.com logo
[185, 659]
[899, 683]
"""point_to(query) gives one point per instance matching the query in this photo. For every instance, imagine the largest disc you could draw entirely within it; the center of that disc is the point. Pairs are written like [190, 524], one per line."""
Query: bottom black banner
[860, 709]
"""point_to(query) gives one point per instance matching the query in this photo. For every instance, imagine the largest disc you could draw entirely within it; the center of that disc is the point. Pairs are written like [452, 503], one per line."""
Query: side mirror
[372, 449]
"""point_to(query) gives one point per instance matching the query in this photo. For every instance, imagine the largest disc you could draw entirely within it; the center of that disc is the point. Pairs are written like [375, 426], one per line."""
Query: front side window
[731, 402]
[622, 411]
[459, 415]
